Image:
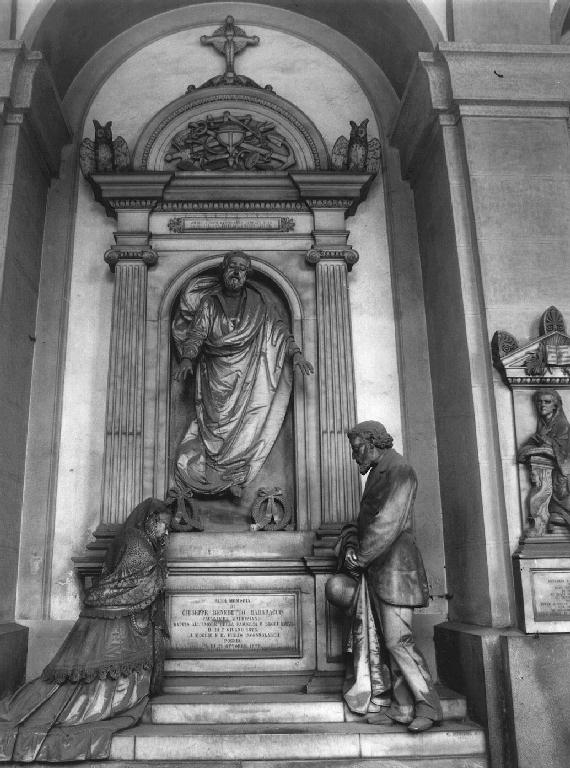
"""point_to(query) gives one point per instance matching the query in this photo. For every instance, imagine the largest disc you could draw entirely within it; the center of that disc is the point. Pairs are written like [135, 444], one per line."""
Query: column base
[516, 686]
[537, 680]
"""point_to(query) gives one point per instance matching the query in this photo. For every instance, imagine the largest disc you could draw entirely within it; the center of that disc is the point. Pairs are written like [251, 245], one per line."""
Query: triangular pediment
[540, 361]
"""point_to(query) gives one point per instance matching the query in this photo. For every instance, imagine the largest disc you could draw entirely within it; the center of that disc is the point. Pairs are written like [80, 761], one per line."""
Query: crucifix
[229, 40]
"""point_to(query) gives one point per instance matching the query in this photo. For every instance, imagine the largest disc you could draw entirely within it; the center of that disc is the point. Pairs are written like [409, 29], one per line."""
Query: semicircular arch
[390, 34]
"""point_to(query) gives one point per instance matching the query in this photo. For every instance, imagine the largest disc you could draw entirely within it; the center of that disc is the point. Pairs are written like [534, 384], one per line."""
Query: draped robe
[242, 389]
[100, 679]
[556, 434]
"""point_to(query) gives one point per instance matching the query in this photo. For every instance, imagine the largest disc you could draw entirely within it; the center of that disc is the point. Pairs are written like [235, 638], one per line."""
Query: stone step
[235, 684]
[450, 745]
[270, 708]
[472, 761]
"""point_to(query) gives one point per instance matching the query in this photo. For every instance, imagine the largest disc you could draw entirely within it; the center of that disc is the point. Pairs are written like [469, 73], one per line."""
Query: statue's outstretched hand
[185, 369]
[304, 366]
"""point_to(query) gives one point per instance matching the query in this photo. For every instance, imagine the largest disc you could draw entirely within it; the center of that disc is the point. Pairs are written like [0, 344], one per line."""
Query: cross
[229, 40]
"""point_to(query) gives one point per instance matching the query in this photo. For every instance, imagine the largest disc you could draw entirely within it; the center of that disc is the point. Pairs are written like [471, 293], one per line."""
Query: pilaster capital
[348, 255]
[329, 202]
[146, 256]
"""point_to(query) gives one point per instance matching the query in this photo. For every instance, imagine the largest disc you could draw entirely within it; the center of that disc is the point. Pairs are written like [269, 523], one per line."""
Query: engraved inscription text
[235, 624]
[551, 595]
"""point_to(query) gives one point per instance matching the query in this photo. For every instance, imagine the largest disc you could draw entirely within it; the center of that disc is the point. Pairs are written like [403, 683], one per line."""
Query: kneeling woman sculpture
[100, 679]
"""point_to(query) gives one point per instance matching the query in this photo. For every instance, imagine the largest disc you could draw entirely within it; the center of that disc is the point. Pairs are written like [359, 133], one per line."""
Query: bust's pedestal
[541, 567]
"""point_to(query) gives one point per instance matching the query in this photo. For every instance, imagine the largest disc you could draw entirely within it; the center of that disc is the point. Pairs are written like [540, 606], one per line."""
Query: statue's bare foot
[235, 492]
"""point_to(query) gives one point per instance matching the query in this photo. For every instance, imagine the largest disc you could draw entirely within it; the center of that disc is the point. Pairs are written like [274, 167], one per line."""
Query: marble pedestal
[516, 686]
[249, 604]
[541, 569]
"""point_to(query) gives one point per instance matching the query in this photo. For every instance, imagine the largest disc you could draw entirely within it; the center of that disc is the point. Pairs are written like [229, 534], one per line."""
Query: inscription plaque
[222, 222]
[551, 595]
[234, 624]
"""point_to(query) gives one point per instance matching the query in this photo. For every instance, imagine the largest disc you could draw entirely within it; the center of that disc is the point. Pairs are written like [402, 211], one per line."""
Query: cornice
[207, 206]
[230, 191]
[460, 81]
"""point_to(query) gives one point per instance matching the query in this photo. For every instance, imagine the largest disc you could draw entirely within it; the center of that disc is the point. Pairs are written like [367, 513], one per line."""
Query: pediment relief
[228, 127]
[541, 361]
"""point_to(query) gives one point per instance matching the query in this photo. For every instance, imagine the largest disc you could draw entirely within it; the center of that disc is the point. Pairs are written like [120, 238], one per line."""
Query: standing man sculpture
[239, 349]
[381, 569]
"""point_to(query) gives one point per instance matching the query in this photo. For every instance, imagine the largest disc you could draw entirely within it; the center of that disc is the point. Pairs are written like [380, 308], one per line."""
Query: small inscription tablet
[234, 624]
[551, 595]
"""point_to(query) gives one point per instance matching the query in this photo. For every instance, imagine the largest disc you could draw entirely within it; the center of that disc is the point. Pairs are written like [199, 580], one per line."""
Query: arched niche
[207, 108]
[288, 465]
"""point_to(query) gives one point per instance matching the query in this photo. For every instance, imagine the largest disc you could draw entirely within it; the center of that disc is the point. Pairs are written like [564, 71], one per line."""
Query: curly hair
[372, 431]
[230, 254]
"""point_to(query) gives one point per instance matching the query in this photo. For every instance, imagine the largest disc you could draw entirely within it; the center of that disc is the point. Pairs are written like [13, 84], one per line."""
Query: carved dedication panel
[234, 624]
[551, 594]
[543, 585]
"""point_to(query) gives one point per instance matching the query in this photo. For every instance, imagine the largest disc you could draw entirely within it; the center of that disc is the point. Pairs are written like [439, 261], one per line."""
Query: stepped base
[212, 728]
[359, 762]
[269, 708]
[237, 684]
[246, 745]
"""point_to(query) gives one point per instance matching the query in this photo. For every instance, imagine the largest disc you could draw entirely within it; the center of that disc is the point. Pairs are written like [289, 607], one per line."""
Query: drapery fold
[242, 387]
[370, 683]
[100, 679]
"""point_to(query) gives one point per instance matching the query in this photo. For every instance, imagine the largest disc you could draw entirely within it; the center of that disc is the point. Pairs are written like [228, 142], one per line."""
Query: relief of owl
[104, 154]
[357, 153]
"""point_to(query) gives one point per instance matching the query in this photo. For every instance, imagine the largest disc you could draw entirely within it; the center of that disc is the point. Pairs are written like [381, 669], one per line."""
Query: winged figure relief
[104, 154]
[358, 153]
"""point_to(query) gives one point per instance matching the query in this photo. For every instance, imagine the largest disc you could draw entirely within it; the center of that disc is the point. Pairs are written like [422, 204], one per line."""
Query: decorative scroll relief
[236, 624]
[221, 222]
[230, 142]
[541, 361]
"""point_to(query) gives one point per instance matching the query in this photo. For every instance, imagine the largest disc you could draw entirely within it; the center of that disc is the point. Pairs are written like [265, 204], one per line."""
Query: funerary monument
[233, 231]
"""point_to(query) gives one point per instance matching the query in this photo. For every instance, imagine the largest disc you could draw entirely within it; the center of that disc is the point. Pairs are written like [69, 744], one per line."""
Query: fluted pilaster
[122, 481]
[340, 485]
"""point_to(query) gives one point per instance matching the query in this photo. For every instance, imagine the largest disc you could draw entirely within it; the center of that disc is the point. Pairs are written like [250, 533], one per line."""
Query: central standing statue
[239, 349]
